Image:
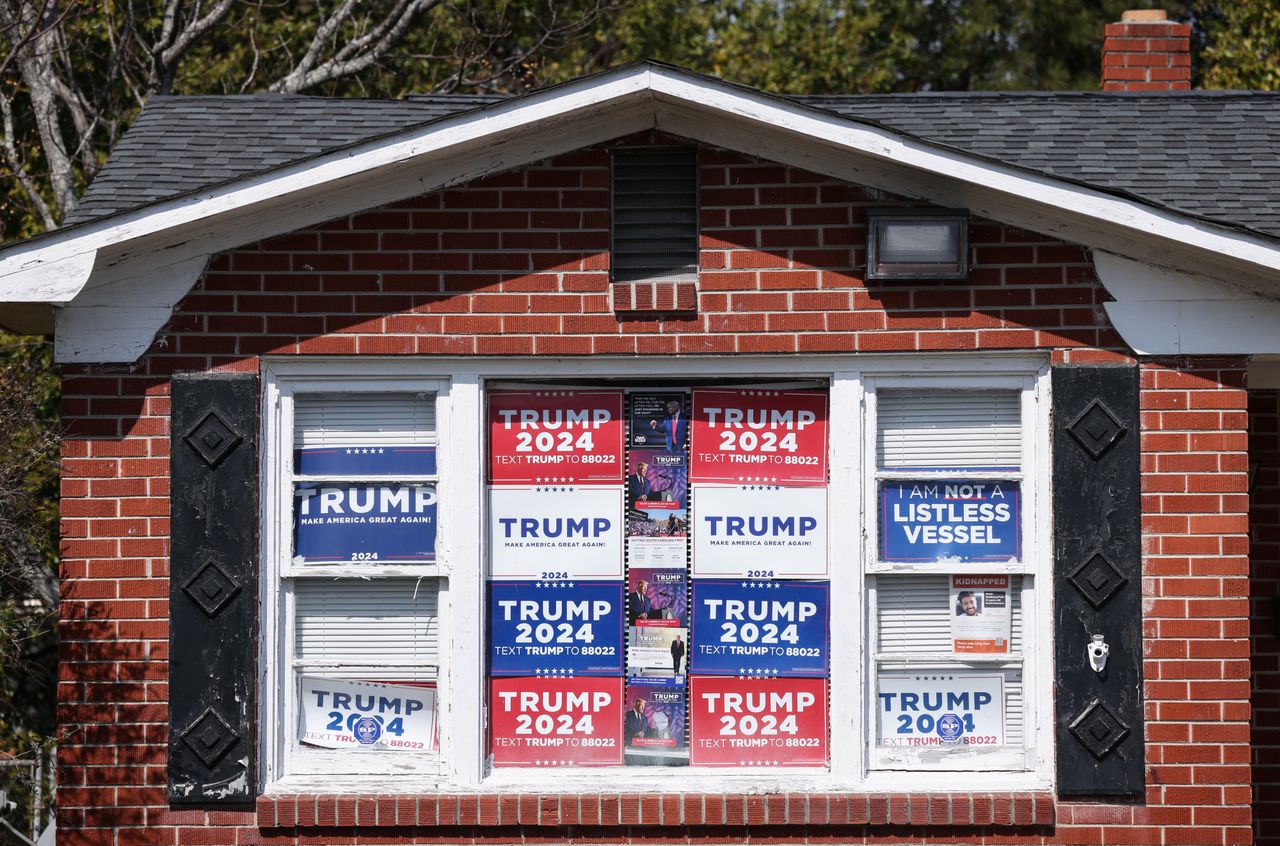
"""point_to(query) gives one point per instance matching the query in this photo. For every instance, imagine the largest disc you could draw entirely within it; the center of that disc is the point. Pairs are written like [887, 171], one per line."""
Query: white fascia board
[1159, 311]
[47, 257]
[1065, 207]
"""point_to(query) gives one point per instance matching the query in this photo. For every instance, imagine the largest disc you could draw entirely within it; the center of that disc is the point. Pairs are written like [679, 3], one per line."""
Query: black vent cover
[655, 214]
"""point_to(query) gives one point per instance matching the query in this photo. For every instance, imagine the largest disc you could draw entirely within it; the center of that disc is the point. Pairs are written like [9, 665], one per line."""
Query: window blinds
[362, 420]
[390, 622]
[948, 430]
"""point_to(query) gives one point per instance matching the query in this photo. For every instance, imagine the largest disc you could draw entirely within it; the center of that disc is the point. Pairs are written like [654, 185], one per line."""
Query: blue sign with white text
[364, 523]
[749, 628]
[365, 461]
[970, 520]
[555, 628]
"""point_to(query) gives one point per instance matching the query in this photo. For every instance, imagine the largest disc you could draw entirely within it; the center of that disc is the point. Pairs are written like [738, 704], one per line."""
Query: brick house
[322, 358]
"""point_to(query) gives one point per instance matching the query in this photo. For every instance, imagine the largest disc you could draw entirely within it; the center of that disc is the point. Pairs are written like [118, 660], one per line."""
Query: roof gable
[118, 278]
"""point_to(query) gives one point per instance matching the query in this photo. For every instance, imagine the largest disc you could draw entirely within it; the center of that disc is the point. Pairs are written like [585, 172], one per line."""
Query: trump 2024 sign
[757, 436]
[555, 628]
[758, 722]
[555, 722]
[746, 628]
[556, 532]
[561, 437]
[761, 531]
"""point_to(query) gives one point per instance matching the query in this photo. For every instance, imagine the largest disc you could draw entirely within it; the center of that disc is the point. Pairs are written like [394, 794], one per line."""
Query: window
[908, 586]
[355, 577]
[655, 214]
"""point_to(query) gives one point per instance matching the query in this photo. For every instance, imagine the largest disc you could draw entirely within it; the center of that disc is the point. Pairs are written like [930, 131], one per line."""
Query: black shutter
[655, 214]
[1098, 579]
[213, 589]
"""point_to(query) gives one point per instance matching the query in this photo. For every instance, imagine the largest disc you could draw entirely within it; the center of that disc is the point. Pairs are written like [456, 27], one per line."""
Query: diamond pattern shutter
[655, 214]
[213, 589]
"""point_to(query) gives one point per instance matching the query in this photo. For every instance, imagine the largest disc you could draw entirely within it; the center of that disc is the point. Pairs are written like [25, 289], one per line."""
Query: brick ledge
[661, 296]
[989, 810]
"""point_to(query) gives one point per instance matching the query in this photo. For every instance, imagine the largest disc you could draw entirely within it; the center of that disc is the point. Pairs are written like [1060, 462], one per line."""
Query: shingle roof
[1210, 154]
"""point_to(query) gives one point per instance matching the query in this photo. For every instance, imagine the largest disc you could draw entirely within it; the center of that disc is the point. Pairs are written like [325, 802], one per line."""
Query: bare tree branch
[348, 60]
[15, 164]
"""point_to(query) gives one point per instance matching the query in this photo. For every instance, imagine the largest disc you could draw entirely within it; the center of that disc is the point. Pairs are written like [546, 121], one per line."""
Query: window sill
[979, 810]
[659, 296]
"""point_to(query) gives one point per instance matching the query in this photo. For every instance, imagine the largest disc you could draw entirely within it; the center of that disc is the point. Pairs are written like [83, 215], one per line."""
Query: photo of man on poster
[674, 426]
[638, 603]
[967, 604]
[636, 723]
[677, 654]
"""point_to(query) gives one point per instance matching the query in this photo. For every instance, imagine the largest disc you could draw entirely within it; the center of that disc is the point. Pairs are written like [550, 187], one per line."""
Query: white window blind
[948, 429]
[391, 622]
[916, 611]
[363, 420]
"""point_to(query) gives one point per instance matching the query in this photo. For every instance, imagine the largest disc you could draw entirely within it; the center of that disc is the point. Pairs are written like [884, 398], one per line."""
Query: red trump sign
[767, 722]
[759, 437]
[556, 722]
[556, 437]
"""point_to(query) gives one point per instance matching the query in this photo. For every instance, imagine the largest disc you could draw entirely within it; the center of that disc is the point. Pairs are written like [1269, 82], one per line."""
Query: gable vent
[655, 214]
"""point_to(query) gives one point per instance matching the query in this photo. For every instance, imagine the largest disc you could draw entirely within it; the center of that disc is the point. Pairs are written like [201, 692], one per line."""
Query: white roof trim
[59, 269]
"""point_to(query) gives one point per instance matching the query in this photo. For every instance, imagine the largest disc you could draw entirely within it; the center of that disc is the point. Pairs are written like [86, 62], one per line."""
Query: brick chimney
[1146, 52]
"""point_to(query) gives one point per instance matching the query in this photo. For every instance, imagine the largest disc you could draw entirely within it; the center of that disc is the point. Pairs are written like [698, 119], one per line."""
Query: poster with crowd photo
[758, 722]
[555, 722]
[555, 532]
[653, 724]
[555, 628]
[657, 597]
[342, 714]
[980, 614]
[940, 709]
[760, 531]
[769, 628]
[659, 420]
[364, 523]
[929, 520]
[657, 651]
[555, 436]
[759, 437]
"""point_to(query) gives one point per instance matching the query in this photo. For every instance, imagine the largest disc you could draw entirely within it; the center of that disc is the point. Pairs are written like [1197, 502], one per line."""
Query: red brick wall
[517, 264]
[1264, 552]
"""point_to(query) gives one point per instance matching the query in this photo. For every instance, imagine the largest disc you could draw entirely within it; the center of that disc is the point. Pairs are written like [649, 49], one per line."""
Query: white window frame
[463, 695]
[1034, 567]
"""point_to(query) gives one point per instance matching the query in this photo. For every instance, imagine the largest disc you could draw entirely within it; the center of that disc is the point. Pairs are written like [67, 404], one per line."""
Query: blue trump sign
[365, 461]
[930, 520]
[746, 628]
[367, 523]
[555, 628]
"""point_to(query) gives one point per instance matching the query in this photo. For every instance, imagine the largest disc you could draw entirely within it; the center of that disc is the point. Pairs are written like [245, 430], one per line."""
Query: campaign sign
[656, 597]
[339, 714]
[655, 651]
[758, 722]
[555, 628]
[365, 461]
[657, 481]
[336, 522]
[928, 520]
[555, 436]
[760, 531]
[555, 722]
[555, 532]
[659, 421]
[653, 725]
[745, 628]
[773, 437]
[940, 709]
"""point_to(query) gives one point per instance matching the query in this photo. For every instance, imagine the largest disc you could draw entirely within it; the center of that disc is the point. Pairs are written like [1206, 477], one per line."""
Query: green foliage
[1243, 49]
[863, 46]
